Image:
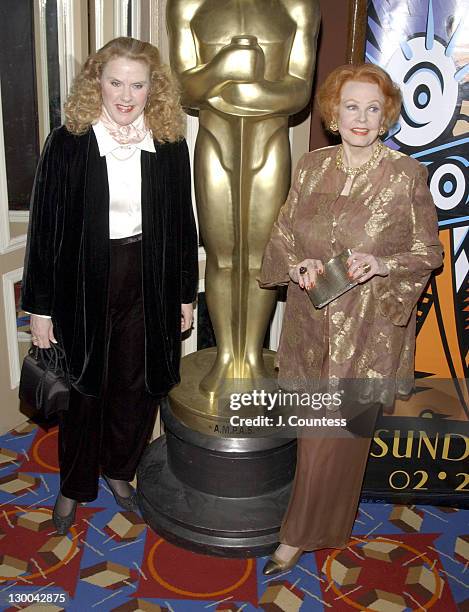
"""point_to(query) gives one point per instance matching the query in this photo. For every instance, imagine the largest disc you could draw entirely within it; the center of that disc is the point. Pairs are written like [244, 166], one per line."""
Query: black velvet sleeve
[190, 265]
[37, 289]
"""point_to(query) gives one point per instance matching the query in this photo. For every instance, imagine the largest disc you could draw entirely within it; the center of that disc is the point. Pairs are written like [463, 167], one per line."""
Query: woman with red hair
[366, 197]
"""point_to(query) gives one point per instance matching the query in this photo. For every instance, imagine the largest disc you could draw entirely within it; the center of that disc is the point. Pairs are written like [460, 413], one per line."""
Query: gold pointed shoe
[275, 565]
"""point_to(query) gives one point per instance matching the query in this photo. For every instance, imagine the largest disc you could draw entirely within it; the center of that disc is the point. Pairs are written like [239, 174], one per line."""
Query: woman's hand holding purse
[42, 331]
[305, 272]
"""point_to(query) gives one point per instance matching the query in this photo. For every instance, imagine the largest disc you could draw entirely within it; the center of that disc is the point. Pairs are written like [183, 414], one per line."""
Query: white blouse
[125, 181]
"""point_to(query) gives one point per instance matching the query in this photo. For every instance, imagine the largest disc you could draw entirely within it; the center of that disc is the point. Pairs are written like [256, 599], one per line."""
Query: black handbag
[44, 383]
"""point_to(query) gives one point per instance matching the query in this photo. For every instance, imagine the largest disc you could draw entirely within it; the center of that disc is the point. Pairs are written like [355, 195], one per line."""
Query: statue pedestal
[212, 494]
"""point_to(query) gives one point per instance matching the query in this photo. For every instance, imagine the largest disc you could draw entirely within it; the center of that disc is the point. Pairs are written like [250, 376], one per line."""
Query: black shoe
[127, 503]
[63, 523]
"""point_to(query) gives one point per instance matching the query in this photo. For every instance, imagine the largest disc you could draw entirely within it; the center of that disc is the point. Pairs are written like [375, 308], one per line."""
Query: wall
[71, 29]
[332, 52]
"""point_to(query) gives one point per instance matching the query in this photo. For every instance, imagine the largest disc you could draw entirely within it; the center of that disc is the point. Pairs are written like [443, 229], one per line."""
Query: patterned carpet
[400, 558]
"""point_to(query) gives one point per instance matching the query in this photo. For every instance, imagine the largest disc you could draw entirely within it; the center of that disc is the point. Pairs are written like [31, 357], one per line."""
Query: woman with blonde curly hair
[111, 264]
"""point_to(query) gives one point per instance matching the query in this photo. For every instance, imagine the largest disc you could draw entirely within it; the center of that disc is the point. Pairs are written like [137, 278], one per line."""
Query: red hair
[328, 96]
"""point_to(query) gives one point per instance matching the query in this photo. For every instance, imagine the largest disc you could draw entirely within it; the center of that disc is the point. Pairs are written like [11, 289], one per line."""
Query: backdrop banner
[424, 46]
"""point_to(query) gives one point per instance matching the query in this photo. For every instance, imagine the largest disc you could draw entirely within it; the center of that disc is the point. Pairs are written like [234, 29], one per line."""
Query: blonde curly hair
[163, 112]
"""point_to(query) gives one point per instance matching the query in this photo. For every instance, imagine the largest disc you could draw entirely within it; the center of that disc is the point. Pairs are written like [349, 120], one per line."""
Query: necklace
[124, 152]
[352, 172]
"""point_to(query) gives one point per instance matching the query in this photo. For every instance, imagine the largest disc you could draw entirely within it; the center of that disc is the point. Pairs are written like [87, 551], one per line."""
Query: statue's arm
[285, 97]
[183, 53]
[292, 93]
[200, 82]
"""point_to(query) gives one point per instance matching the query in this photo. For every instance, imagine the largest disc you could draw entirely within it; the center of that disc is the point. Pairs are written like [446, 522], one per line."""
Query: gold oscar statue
[245, 65]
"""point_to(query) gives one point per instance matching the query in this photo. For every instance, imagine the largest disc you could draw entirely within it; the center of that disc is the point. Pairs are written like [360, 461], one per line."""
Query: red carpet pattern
[400, 558]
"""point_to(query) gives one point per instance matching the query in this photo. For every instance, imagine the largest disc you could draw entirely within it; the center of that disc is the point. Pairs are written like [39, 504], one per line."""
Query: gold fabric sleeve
[397, 294]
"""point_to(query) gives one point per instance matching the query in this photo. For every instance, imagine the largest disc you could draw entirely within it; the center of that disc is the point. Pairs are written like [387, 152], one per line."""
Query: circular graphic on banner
[448, 183]
[429, 90]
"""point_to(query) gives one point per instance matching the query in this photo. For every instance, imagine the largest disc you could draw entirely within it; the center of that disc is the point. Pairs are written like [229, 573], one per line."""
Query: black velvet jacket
[67, 256]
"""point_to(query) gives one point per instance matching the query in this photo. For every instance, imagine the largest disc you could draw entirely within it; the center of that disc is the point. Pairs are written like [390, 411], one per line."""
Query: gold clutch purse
[334, 282]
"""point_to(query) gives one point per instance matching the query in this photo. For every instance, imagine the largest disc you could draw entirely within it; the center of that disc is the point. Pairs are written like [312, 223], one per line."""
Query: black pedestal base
[216, 520]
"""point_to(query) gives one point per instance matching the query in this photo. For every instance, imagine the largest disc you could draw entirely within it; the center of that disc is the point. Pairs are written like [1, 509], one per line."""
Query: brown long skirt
[326, 492]
[328, 478]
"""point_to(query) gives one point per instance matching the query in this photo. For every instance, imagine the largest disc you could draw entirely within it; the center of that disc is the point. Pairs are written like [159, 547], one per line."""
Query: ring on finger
[366, 268]
[303, 270]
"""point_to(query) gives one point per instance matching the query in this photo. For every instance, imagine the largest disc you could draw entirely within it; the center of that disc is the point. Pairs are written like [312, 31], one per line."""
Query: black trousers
[109, 433]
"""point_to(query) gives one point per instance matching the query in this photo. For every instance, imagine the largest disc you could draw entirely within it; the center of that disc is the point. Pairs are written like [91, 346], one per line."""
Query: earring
[333, 126]
[382, 131]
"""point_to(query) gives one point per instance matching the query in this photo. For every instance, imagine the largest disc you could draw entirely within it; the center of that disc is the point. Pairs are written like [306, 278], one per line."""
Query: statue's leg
[268, 191]
[215, 214]
[242, 179]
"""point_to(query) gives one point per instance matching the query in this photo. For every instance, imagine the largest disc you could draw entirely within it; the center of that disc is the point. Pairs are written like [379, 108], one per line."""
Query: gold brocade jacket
[367, 333]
